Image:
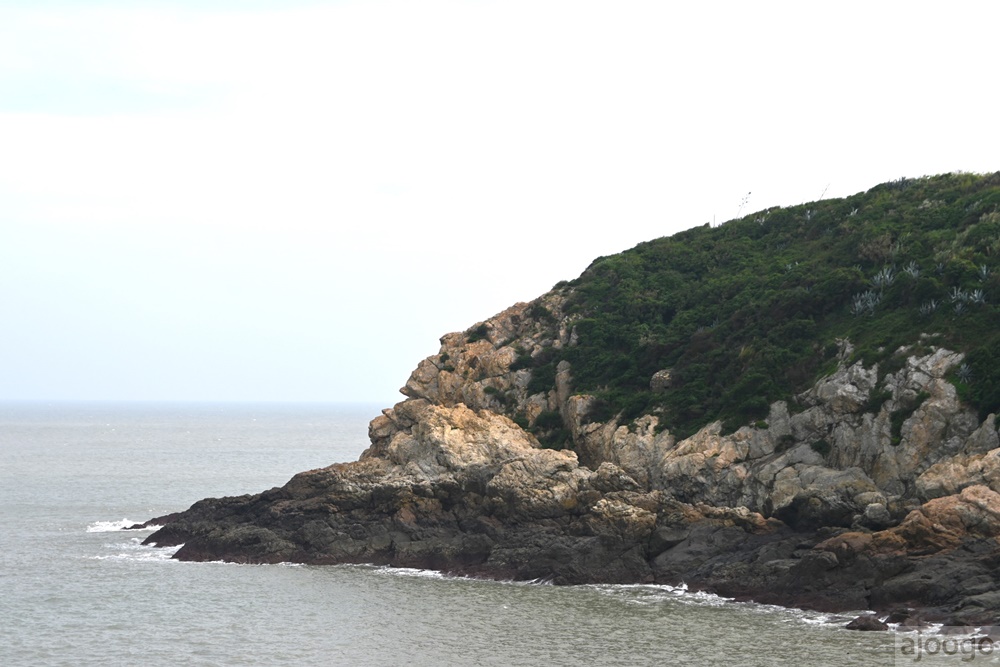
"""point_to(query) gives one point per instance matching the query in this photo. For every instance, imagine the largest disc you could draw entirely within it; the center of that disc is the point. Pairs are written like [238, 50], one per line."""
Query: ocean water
[75, 589]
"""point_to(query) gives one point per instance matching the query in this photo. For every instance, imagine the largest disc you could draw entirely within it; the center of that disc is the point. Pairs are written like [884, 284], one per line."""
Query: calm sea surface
[76, 590]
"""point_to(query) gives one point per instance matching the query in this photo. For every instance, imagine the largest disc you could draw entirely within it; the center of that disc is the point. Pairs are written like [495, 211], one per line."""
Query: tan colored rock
[629, 522]
[608, 478]
[544, 483]
[639, 451]
[422, 383]
[951, 475]
[452, 439]
[943, 523]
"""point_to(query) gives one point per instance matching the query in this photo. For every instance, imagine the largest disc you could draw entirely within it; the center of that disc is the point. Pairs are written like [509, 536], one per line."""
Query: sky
[292, 201]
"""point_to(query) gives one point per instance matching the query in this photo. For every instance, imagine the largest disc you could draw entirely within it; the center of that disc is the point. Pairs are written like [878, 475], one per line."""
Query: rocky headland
[794, 408]
[819, 507]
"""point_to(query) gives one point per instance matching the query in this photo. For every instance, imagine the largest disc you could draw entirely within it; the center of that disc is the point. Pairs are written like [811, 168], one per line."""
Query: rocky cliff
[875, 488]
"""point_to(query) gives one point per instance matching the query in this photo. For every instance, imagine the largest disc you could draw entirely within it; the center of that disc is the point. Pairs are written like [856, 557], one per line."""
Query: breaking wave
[113, 526]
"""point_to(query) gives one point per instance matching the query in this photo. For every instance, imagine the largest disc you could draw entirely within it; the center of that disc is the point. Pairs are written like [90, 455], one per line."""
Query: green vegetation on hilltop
[750, 312]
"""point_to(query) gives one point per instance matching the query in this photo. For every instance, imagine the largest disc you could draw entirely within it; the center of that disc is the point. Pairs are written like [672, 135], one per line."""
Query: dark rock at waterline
[906, 620]
[867, 623]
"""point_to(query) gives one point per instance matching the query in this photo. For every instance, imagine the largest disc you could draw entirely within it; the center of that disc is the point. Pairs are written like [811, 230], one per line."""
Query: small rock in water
[912, 624]
[867, 622]
[899, 615]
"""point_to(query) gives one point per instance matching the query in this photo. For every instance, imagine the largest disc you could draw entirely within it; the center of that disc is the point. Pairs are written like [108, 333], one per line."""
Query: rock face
[878, 489]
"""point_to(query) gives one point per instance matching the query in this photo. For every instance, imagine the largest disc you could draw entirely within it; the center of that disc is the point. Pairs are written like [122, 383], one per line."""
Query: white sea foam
[652, 594]
[644, 594]
[824, 620]
[436, 574]
[112, 526]
[420, 573]
[410, 572]
[135, 550]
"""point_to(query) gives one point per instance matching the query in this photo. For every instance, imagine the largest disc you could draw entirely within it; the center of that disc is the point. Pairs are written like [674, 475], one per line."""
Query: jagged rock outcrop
[456, 489]
[835, 462]
[876, 489]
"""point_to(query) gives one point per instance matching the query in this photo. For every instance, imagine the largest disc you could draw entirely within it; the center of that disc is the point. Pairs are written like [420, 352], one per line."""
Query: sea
[77, 589]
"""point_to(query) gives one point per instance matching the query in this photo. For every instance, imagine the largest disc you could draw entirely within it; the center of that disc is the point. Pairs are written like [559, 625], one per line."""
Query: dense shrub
[477, 334]
[748, 312]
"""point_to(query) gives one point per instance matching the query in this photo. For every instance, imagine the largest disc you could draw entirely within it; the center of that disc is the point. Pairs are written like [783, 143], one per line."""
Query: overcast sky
[256, 200]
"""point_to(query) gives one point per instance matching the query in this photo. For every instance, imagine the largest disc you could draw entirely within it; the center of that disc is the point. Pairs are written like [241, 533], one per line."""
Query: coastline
[499, 507]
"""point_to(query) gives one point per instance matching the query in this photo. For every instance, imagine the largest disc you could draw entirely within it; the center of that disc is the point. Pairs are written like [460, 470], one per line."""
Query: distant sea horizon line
[193, 401]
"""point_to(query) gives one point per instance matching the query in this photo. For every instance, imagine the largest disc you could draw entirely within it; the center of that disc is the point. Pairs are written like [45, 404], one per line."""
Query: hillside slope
[751, 312]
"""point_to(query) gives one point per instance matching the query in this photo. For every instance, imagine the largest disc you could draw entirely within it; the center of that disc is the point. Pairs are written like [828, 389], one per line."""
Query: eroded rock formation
[876, 489]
